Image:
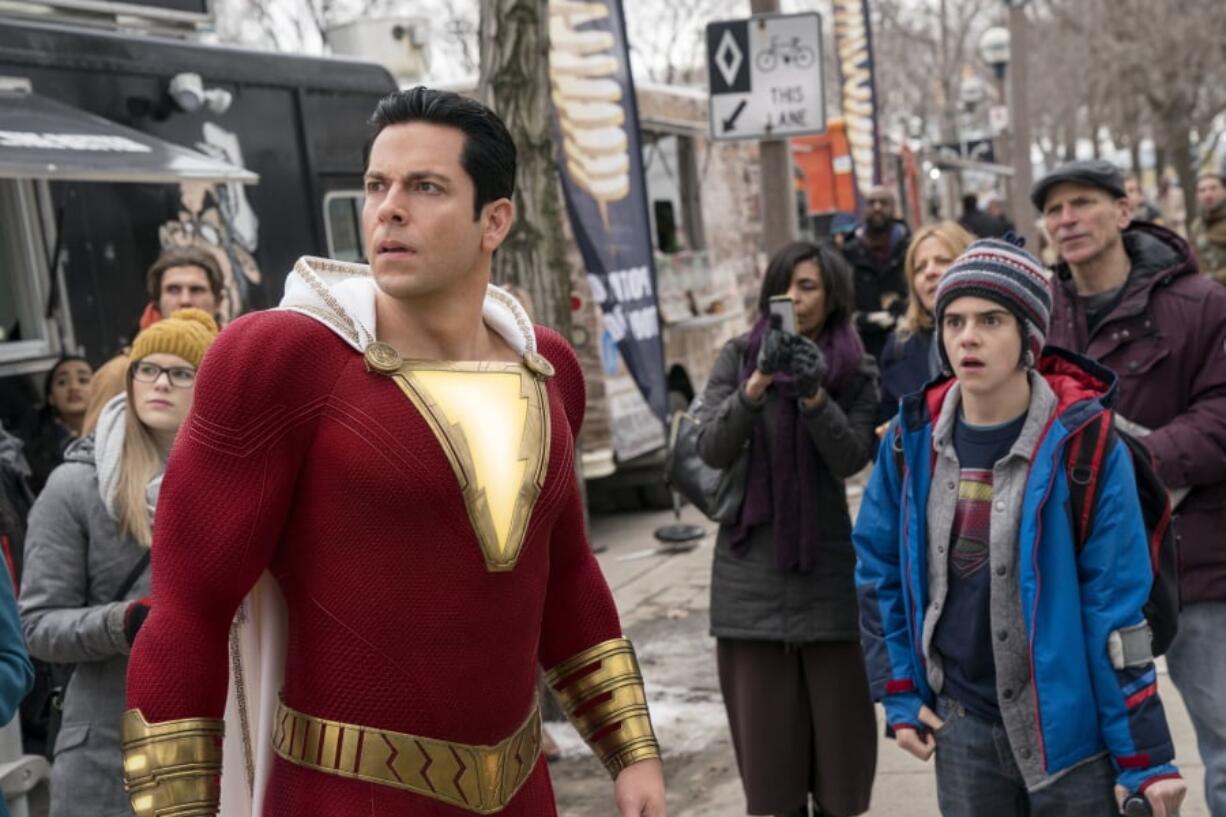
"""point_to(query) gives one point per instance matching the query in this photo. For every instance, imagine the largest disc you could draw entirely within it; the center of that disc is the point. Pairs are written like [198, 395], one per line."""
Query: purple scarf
[781, 480]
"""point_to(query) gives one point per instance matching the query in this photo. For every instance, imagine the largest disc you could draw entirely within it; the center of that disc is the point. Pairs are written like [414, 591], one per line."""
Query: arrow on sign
[730, 122]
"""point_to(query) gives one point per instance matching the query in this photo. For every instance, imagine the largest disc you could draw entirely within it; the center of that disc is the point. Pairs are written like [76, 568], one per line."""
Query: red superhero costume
[421, 593]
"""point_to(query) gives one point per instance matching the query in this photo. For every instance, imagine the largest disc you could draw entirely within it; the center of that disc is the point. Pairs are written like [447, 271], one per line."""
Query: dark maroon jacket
[1166, 339]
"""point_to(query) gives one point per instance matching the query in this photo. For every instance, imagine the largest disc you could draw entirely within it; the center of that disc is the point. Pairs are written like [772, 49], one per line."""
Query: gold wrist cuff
[601, 691]
[172, 768]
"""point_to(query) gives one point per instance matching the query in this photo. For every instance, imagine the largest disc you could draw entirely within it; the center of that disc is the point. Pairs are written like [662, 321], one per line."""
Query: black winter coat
[750, 597]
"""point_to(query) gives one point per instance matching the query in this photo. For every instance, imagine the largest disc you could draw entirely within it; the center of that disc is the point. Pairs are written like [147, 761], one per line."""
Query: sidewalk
[664, 605]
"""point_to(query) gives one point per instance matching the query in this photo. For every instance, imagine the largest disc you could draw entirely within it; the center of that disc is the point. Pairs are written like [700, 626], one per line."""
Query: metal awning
[44, 139]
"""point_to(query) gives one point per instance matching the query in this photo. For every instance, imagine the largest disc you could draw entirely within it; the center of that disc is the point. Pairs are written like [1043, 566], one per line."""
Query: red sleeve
[579, 608]
[569, 375]
[224, 502]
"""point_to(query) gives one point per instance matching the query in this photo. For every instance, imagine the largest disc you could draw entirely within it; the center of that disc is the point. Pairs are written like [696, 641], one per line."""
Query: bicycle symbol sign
[766, 76]
[783, 52]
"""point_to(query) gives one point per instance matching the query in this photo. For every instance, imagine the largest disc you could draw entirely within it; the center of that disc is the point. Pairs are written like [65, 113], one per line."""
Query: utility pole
[779, 222]
[1019, 122]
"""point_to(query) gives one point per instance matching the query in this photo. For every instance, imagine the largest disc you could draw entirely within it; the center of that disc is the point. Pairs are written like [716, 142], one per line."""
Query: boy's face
[983, 341]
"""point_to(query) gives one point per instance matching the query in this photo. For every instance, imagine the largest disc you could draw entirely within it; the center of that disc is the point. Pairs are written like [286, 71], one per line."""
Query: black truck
[114, 145]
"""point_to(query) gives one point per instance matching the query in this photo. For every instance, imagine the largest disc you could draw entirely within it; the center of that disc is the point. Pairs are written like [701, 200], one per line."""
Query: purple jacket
[1166, 339]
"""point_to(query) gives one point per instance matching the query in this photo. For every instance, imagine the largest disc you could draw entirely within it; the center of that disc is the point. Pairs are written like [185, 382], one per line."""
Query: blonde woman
[85, 586]
[909, 359]
[110, 379]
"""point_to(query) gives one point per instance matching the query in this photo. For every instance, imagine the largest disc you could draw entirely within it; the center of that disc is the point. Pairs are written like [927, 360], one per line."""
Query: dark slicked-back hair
[489, 152]
[836, 279]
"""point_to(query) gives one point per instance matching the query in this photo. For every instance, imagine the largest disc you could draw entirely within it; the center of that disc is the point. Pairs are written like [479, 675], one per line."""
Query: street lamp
[994, 48]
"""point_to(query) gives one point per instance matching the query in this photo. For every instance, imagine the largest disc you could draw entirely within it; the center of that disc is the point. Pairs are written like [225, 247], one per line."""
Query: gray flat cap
[1094, 172]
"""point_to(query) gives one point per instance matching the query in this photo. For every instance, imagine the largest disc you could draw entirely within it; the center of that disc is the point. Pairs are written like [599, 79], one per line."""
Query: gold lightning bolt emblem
[492, 421]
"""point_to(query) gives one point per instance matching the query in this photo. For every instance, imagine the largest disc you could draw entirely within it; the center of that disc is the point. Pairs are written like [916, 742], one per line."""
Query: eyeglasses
[181, 377]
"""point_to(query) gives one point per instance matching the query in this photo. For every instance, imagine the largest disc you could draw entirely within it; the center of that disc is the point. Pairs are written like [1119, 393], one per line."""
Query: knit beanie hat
[1001, 271]
[187, 333]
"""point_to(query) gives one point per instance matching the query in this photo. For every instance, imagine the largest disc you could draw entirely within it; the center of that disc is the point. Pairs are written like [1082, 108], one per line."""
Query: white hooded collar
[341, 296]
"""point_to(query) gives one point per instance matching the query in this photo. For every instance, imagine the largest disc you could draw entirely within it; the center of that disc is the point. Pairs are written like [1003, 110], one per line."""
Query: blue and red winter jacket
[1071, 600]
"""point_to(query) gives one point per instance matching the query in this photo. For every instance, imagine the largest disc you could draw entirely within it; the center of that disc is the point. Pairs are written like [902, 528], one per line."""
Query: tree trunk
[1160, 156]
[514, 82]
[1070, 138]
[1179, 143]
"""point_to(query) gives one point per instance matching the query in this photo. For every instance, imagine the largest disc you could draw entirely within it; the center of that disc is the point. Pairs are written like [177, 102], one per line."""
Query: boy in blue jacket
[986, 629]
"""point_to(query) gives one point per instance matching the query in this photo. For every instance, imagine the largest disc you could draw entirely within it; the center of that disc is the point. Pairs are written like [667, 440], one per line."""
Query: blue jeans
[977, 776]
[1197, 663]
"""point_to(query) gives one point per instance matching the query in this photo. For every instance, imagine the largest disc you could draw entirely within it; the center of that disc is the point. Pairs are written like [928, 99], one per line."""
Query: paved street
[664, 605]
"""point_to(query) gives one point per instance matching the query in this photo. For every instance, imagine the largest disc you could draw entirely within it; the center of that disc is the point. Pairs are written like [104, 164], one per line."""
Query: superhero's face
[421, 236]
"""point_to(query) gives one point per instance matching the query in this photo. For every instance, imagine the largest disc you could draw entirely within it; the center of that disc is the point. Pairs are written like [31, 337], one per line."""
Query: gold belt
[481, 779]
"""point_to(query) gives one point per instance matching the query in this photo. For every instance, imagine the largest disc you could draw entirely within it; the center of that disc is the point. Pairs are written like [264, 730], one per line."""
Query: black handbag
[717, 492]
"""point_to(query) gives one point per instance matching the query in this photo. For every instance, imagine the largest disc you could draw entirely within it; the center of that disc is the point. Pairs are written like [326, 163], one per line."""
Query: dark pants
[977, 776]
[802, 721]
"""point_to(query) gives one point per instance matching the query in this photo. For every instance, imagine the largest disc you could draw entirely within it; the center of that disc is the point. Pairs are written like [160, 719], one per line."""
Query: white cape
[341, 296]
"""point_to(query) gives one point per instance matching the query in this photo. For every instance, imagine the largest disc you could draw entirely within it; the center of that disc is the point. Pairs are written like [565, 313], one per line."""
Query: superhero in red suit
[396, 448]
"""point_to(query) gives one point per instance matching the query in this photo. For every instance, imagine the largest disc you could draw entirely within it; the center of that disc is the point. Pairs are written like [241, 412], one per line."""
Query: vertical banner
[853, 41]
[597, 130]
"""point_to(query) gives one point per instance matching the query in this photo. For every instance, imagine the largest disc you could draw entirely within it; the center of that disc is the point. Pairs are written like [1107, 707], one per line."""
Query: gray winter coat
[750, 597]
[75, 564]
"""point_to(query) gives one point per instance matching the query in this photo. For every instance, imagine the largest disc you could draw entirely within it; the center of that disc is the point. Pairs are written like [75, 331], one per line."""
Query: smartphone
[783, 314]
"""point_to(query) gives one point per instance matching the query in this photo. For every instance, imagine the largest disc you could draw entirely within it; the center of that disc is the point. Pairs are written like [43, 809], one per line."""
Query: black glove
[774, 353]
[808, 366]
[134, 617]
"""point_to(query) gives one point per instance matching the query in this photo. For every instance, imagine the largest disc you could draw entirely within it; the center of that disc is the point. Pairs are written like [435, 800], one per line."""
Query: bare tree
[921, 49]
[1170, 68]
[514, 81]
[668, 40]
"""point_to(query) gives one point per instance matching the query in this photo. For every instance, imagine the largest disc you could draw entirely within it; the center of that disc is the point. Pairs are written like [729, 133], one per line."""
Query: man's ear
[1124, 217]
[496, 220]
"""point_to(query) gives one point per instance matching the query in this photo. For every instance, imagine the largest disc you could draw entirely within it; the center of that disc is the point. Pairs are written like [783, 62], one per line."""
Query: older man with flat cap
[1129, 296]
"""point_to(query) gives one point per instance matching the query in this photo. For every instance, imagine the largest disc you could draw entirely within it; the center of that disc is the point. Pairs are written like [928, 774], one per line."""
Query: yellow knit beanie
[187, 333]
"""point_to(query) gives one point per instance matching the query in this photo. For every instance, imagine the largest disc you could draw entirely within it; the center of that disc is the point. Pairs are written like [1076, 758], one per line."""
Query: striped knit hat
[1001, 271]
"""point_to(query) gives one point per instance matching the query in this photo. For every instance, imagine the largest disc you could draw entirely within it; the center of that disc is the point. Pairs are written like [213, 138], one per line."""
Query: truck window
[671, 169]
[25, 334]
[343, 224]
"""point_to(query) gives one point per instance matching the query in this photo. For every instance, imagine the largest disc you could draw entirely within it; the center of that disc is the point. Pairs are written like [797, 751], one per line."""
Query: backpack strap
[133, 575]
[1085, 453]
[900, 462]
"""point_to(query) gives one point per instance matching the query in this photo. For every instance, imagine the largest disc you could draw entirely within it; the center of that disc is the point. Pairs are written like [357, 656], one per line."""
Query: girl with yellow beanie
[85, 586]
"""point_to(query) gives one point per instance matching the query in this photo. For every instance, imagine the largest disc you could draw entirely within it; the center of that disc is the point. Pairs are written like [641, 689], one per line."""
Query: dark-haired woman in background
[58, 422]
[783, 602]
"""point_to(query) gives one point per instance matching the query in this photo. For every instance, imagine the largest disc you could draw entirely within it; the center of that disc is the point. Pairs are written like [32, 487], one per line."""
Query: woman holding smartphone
[801, 406]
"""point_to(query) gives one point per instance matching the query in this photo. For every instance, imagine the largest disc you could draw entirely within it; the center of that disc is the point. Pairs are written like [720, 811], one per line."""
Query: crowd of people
[133, 652]
[995, 593]
[1003, 630]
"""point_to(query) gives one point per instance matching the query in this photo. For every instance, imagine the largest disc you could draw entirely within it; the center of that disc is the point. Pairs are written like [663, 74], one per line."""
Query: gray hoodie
[75, 564]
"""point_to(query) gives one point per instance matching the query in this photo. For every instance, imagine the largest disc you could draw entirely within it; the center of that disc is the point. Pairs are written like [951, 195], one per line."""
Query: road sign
[998, 119]
[766, 76]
